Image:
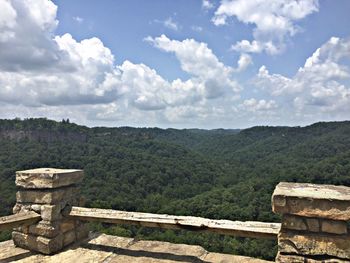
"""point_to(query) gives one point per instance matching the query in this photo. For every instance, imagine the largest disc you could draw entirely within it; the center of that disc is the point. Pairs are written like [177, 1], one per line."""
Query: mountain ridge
[215, 174]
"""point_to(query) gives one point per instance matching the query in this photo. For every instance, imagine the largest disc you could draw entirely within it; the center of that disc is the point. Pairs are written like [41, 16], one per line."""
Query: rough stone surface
[334, 227]
[281, 258]
[50, 193]
[67, 225]
[21, 208]
[45, 229]
[81, 231]
[22, 229]
[68, 238]
[51, 212]
[49, 245]
[104, 248]
[309, 200]
[294, 222]
[38, 243]
[48, 178]
[313, 224]
[314, 244]
[53, 196]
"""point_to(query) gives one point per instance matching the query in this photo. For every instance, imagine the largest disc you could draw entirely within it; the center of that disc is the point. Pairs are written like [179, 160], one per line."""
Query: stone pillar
[51, 193]
[314, 222]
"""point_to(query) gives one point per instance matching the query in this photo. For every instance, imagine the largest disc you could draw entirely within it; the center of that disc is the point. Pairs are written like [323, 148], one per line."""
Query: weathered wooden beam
[20, 219]
[234, 228]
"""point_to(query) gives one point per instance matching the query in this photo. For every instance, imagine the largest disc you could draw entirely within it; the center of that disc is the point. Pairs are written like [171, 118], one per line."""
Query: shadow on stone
[142, 253]
[17, 257]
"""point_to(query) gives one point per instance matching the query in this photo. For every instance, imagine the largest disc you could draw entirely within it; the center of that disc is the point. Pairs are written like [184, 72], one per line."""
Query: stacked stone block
[51, 193]
[314, 222]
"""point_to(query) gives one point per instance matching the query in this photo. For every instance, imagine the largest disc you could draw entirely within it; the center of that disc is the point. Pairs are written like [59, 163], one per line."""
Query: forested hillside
[225, 174]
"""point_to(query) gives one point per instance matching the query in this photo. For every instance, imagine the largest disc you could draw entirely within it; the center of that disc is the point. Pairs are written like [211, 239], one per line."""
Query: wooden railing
[227, 227]
[17, 220]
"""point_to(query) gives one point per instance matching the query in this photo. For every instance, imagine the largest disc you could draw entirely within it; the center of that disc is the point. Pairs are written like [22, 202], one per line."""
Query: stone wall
[51, 193]
[314, 222]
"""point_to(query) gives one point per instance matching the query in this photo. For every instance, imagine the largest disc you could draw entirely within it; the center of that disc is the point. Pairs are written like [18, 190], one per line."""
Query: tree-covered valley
[220, 174]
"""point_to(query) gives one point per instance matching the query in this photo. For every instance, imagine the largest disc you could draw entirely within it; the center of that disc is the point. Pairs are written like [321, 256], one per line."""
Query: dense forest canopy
[223, 174]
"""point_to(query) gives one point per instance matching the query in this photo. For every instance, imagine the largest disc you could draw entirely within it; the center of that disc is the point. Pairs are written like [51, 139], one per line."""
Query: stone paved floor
[105, 248]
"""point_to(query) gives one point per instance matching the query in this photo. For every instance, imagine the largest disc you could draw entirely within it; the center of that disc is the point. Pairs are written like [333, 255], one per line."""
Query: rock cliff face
[42, 135]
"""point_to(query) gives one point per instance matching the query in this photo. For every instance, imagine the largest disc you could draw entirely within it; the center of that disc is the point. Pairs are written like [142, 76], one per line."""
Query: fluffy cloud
[244, 61]
[25, 35]
[207, 4]
[56, 76]
[274, 20]
[213, 78]
[255, 105]
[318, 87]
[43, 71]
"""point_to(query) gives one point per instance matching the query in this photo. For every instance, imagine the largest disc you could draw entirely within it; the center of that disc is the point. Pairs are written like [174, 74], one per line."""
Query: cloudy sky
[183, 63]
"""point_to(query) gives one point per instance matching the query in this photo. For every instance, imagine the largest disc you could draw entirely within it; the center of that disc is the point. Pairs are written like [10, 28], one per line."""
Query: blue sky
[183, 64]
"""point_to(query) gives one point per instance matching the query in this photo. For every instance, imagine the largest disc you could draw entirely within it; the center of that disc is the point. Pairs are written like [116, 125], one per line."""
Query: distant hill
[226, 174]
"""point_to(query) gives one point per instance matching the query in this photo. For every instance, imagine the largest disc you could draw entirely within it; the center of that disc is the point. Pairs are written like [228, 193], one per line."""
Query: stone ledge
[41, 196]
[299, 223]
[48, 178]
[285, 258]
[314, 244]
[309, 200]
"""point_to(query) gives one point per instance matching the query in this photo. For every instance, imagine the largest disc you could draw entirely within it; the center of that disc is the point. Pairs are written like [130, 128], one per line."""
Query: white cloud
[255, 105]
[47, 75]
[45, 71]
[274, 20]
[244, 61]
[169, 23]
[78, 19]
[320, 86]
[207, 4]
[7, 20]
[213, 78]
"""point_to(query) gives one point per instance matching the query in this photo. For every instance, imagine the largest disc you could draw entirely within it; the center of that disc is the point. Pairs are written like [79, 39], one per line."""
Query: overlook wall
[314, 222]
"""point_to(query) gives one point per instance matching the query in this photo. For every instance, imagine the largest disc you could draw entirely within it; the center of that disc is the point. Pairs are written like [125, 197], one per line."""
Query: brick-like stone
[285, 258]
[334, 227]
[81, 231]
[49, 245]
[309, 200]
[293, 222]
[314, 244]
[36, 208]
[45, 229]
[21, 208]
[22, 229]
[53, 196]
[67, 225]
[300, 223]
[38, 243]
[21, 239]
[51, 212]
[69, 237]
[313, 224]
[52, 193]
[48, 178]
